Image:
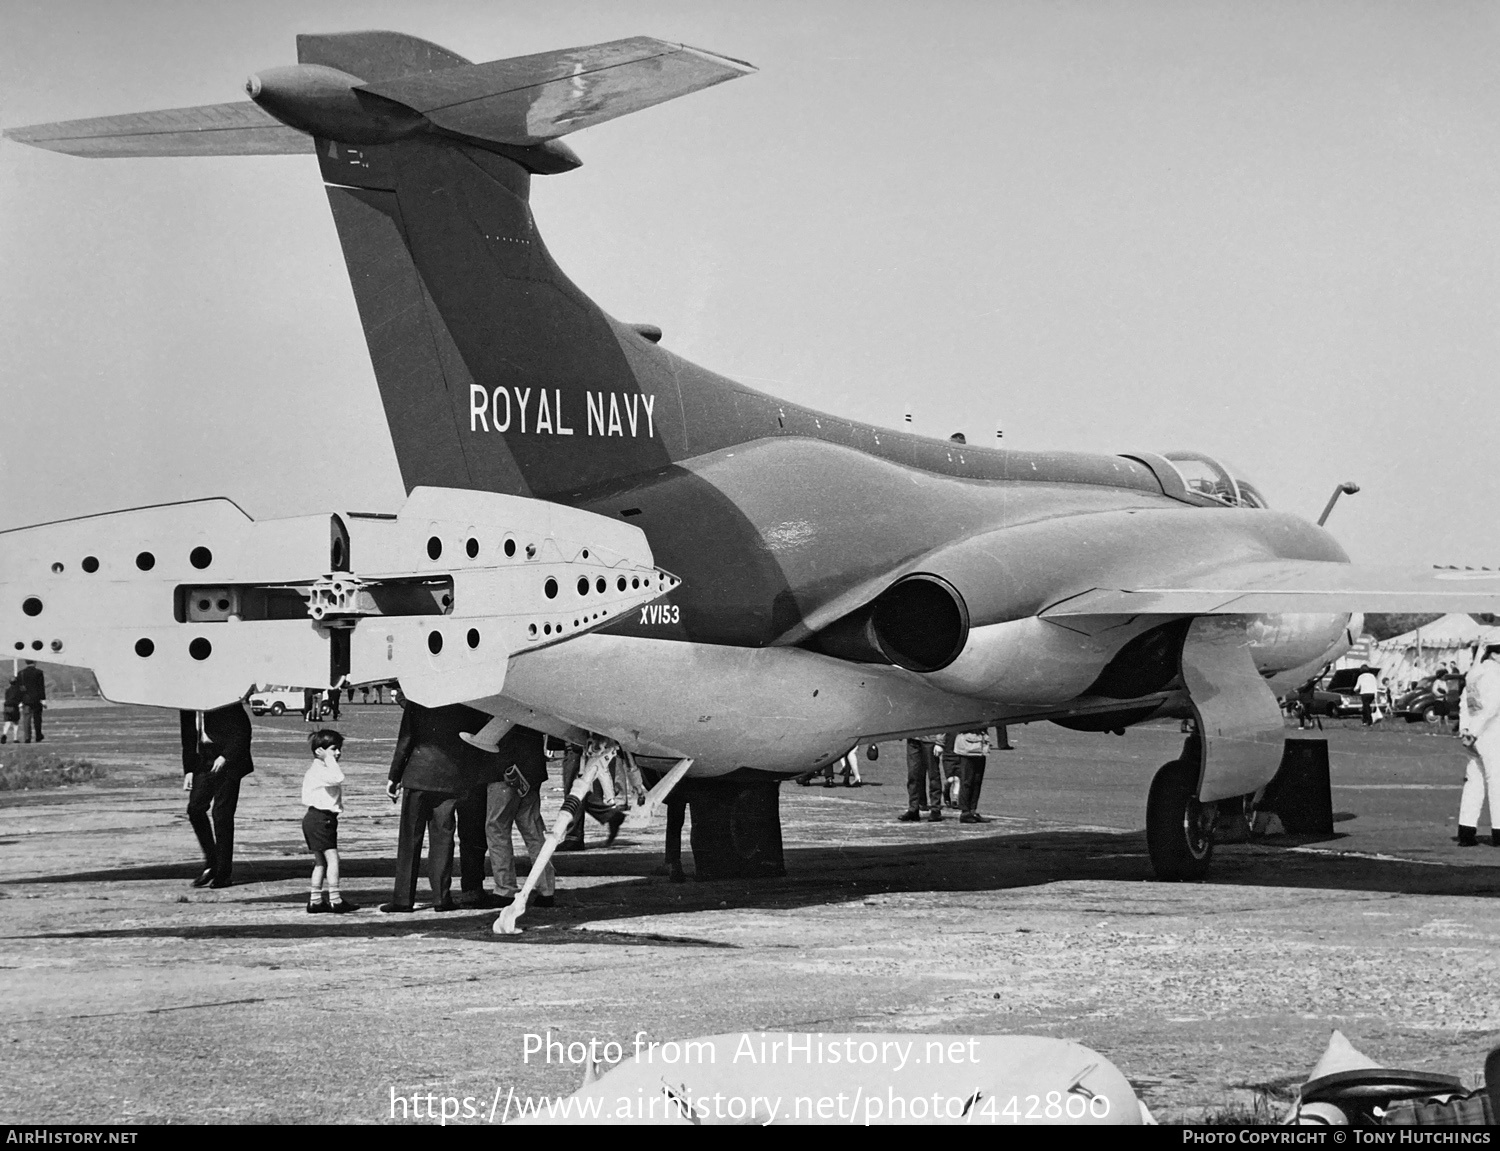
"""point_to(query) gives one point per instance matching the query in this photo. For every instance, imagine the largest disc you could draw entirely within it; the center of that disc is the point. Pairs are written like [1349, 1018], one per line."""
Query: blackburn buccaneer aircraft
[838, 581]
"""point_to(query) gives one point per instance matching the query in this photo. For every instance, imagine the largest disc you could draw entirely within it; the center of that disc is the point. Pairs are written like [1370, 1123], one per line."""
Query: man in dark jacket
[33, 694]
[432, 767]
[216, 753]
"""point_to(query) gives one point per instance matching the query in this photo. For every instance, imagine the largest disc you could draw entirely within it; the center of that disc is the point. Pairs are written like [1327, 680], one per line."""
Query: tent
[1408, 657]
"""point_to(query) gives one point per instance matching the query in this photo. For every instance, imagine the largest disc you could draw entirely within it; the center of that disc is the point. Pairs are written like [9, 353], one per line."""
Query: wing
[1295, 586]
[528, 99]
[240, 129]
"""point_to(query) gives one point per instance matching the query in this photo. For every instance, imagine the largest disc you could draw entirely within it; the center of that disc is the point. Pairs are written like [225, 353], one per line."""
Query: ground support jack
[597, 757]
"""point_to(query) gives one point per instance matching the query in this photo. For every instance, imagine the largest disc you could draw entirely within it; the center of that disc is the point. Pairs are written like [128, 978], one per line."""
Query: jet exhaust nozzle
[920, 623]
[327, 103]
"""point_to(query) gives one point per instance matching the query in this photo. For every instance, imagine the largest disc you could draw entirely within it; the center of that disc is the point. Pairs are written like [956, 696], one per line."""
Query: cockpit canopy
[1216, 479]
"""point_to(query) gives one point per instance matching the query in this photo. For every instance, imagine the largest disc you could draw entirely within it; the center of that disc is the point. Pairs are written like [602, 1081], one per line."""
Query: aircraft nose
[252, 85]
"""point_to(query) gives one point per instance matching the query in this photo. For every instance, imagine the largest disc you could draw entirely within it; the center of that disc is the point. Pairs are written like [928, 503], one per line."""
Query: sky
[1265, 231]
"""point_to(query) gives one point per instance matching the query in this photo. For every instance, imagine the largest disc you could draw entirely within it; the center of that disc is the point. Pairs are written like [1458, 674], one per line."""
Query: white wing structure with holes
[190, 605]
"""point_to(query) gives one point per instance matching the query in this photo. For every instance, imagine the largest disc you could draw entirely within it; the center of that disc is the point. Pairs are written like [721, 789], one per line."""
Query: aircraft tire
[1179, 829]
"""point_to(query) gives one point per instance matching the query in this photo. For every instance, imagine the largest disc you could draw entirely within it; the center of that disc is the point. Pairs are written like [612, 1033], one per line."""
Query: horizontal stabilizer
[529, 99]
[240, 129]
[1296, 586]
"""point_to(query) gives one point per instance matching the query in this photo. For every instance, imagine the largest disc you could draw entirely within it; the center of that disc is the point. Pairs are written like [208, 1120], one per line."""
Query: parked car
[1313, 699]
[1426, 704]
[276, 700]
[1331, 694]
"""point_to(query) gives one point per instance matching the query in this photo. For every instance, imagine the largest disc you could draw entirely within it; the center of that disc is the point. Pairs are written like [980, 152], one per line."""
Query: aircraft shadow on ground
[817, 876]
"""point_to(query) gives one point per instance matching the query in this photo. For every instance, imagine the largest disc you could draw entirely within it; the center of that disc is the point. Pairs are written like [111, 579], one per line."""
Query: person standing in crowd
[430, 769]
[323, 793]
[849, 768]
[33, 700]
[331, 698]
[1479, 729]
[924, 782]
[677, 806]
[216, 754]
[10, 723]
[1367, 687]
[593, 804]
[513, 802]
[473, 841]
[968, 749]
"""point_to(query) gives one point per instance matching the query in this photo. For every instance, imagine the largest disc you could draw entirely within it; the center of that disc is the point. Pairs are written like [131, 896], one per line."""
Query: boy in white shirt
[323, 792]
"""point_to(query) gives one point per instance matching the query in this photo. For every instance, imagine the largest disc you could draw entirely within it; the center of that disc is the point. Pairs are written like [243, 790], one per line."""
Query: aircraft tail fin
[496, 372]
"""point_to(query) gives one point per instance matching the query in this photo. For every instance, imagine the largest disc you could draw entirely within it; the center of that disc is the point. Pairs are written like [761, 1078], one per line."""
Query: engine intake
[920, 623]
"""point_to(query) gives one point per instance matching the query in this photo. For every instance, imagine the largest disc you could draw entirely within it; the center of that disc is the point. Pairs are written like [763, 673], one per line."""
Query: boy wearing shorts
[323, 792]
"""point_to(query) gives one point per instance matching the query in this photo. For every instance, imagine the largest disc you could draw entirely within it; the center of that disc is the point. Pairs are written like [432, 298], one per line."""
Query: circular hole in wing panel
[90, 564]
[31, 605]
[620, 583]
[600, 585]
[57, 569]
[583, 585]
[473, 637]
[434, 547]
[200, 558]
[550, 587]
[57, 645]
[471, 547]
[36, 645]
[434, 642]
[144, 647]
[510, 548]
[200, 648]
[145, 561]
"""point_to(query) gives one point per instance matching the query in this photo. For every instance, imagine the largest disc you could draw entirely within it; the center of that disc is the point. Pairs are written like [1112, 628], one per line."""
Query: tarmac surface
[127, 996]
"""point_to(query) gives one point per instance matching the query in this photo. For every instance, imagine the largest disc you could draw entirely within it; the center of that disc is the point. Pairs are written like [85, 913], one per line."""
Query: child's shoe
[317, 907]
[342, 907]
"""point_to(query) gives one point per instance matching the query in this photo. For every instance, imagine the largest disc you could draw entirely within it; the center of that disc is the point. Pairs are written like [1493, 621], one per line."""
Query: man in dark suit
[432, 768]
[216, 753]
[33, 693]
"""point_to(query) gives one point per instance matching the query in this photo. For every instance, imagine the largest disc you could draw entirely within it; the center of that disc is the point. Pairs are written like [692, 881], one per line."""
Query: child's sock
[334, 896]
[315, 895]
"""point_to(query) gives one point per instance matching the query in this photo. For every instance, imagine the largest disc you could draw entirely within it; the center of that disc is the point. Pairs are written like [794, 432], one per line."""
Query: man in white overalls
[1479, 729]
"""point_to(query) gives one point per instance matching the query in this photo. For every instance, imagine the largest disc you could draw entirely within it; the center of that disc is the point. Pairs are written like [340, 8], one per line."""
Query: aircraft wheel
[1179, 829]
[278, 708]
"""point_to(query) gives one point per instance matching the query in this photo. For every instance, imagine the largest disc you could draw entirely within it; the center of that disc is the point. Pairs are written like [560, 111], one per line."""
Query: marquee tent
[1417, 653]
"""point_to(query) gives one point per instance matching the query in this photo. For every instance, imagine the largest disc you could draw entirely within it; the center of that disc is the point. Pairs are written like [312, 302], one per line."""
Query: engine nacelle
[1035, 661]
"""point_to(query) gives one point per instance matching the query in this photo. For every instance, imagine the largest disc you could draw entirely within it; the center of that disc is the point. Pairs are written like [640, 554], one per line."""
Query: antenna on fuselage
[1344, 489]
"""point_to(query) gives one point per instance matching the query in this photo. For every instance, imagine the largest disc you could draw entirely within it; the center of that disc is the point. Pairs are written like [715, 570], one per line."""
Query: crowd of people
[452, 794]
[461, 799]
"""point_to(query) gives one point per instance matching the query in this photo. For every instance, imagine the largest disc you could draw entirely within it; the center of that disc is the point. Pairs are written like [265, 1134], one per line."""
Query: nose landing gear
[1179, 828]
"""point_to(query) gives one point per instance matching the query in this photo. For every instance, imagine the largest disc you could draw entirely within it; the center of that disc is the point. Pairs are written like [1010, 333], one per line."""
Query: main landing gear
[1179, 829]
